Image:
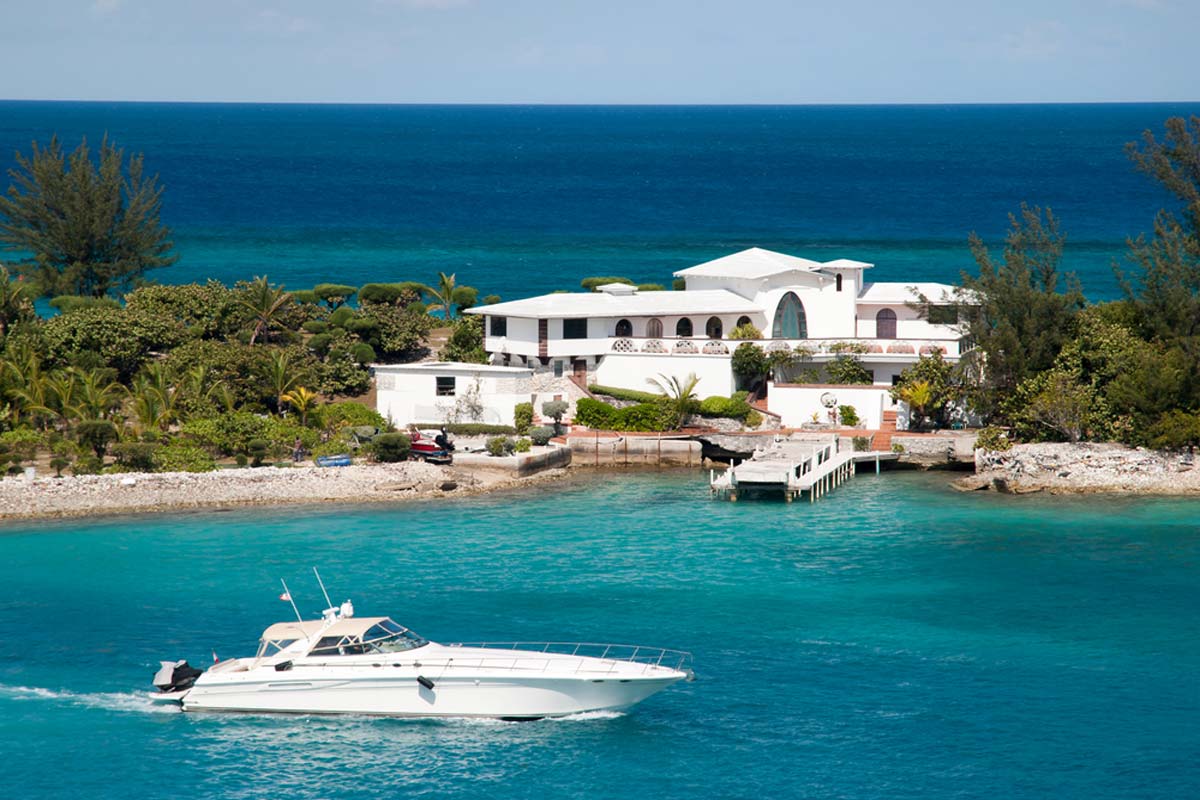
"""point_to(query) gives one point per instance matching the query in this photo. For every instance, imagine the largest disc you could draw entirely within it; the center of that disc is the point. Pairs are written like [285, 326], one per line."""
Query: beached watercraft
[343, 664]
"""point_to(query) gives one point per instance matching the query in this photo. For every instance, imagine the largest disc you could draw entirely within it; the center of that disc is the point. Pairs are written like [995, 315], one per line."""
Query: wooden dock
[797, 466]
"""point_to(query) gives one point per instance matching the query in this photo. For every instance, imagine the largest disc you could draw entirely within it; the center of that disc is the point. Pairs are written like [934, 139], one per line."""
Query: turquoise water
[896, 639]
[527, 199]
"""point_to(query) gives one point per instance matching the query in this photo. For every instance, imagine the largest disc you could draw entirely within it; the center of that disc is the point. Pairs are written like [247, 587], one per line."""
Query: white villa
[619, 336]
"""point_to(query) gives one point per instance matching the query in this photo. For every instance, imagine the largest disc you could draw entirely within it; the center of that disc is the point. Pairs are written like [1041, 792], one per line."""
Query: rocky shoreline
[128, 493]
[1082, 468]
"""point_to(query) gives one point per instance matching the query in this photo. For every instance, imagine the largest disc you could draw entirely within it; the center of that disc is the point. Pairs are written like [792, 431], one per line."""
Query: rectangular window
[499, 326]
[558, 369]
[445, 386]
[895, 380]
[575, 328]
[943, 315]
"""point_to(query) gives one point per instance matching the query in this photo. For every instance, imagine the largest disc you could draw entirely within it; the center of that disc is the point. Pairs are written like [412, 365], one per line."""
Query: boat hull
[405, 696]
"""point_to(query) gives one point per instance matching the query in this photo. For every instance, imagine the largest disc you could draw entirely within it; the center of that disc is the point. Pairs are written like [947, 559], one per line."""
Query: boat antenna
[287, 594]
[321, 583]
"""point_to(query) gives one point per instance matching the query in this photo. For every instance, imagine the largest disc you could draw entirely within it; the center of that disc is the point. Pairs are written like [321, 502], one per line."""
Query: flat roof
[573, 305]
[453, 366]
[892, 293]
[756, 262]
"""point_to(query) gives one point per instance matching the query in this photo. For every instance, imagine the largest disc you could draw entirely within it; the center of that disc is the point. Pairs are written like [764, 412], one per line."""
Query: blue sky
[600, 51]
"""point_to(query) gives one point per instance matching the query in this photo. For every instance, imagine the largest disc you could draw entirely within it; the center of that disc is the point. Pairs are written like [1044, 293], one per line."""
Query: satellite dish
[829, 399]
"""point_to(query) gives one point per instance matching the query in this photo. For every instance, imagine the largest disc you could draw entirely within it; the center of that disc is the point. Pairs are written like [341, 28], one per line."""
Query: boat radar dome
[347, 610]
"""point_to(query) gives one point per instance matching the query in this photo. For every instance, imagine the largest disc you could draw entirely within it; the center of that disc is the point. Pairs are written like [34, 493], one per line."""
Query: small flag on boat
[286, 597]
[215, 659]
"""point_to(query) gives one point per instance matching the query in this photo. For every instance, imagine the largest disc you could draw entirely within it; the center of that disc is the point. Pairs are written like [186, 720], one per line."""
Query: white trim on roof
[575, 305]
[755, 263]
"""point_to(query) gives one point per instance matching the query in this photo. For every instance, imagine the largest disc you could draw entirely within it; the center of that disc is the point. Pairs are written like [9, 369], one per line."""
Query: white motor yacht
[343, 664]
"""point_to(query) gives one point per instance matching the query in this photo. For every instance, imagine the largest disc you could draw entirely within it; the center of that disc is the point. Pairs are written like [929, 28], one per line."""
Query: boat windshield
[383, 637]
[269, 647]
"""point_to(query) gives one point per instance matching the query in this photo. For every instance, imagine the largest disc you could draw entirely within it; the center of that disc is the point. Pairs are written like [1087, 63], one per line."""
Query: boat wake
[110, 701]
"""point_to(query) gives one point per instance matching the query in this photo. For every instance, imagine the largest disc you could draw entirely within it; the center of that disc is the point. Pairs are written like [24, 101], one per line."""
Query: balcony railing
[820, 348]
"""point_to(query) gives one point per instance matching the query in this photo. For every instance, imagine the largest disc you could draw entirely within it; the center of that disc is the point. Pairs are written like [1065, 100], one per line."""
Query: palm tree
[302, 400]
[918, 395]
[155, 397]
[265, 303]
[62, 396]
[682, 394]
[99, 394]
[280, 375]
[443, 295]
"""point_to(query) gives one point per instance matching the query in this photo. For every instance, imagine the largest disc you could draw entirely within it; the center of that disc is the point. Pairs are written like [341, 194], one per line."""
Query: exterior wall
[909, 324]
[406, 397]
[796, 403]
[633, 371]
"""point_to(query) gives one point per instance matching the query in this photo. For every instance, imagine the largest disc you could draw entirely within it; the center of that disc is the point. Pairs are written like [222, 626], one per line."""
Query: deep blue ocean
[518, 200]
[894, 640]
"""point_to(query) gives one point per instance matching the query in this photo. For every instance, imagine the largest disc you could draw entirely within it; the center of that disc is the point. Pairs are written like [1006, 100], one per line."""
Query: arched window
[654, 328]
[885, 324]
[838, 281]
[624, 328]
[742, 320]
[790, 322]
[683, 328]
[712, 328]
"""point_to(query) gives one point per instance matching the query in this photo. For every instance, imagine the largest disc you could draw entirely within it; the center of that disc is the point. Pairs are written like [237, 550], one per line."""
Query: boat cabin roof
[352, 626]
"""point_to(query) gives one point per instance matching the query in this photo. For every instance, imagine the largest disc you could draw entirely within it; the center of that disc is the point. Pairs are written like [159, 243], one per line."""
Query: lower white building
[435, 392]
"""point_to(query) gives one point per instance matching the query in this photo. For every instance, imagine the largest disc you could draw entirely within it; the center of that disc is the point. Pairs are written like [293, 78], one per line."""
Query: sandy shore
[95, 495]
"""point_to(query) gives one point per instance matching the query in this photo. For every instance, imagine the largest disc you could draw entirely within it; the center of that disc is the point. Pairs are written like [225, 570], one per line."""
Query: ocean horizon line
[666, 105]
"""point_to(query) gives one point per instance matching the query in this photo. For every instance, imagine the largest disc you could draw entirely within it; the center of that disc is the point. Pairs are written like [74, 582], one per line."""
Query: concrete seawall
[592, 450]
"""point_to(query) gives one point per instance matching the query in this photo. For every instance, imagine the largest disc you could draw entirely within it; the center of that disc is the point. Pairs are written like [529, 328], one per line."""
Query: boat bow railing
[629, 653]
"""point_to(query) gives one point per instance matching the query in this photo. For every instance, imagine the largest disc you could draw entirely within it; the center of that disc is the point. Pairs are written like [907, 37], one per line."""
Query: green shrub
[96, 434]
[58, 464]
[523, 446]
[339, 318]
[541, 435]
[598, 415]
[632, 395]
[315, 326]
[184, 457]
[240, 459]
[22, 442]
[753, 419]
[992, 438]
[137, 456]
[745, 331]
[363, 353]
[392, 447]
[334, 294]
[305, 297]
[228, 433]
[523, 417]
[848, 415]
[320, 343]
[87, 465]
[257, 448]
[500, 446]
[717, 406]
[335, 446]
[862, 443]
[348, 413]
[555, 409]
[897, 447]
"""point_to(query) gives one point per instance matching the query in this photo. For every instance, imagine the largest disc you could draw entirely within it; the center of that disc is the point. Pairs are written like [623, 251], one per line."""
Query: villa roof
[894, 293]
[757, 263]
[641, 304]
